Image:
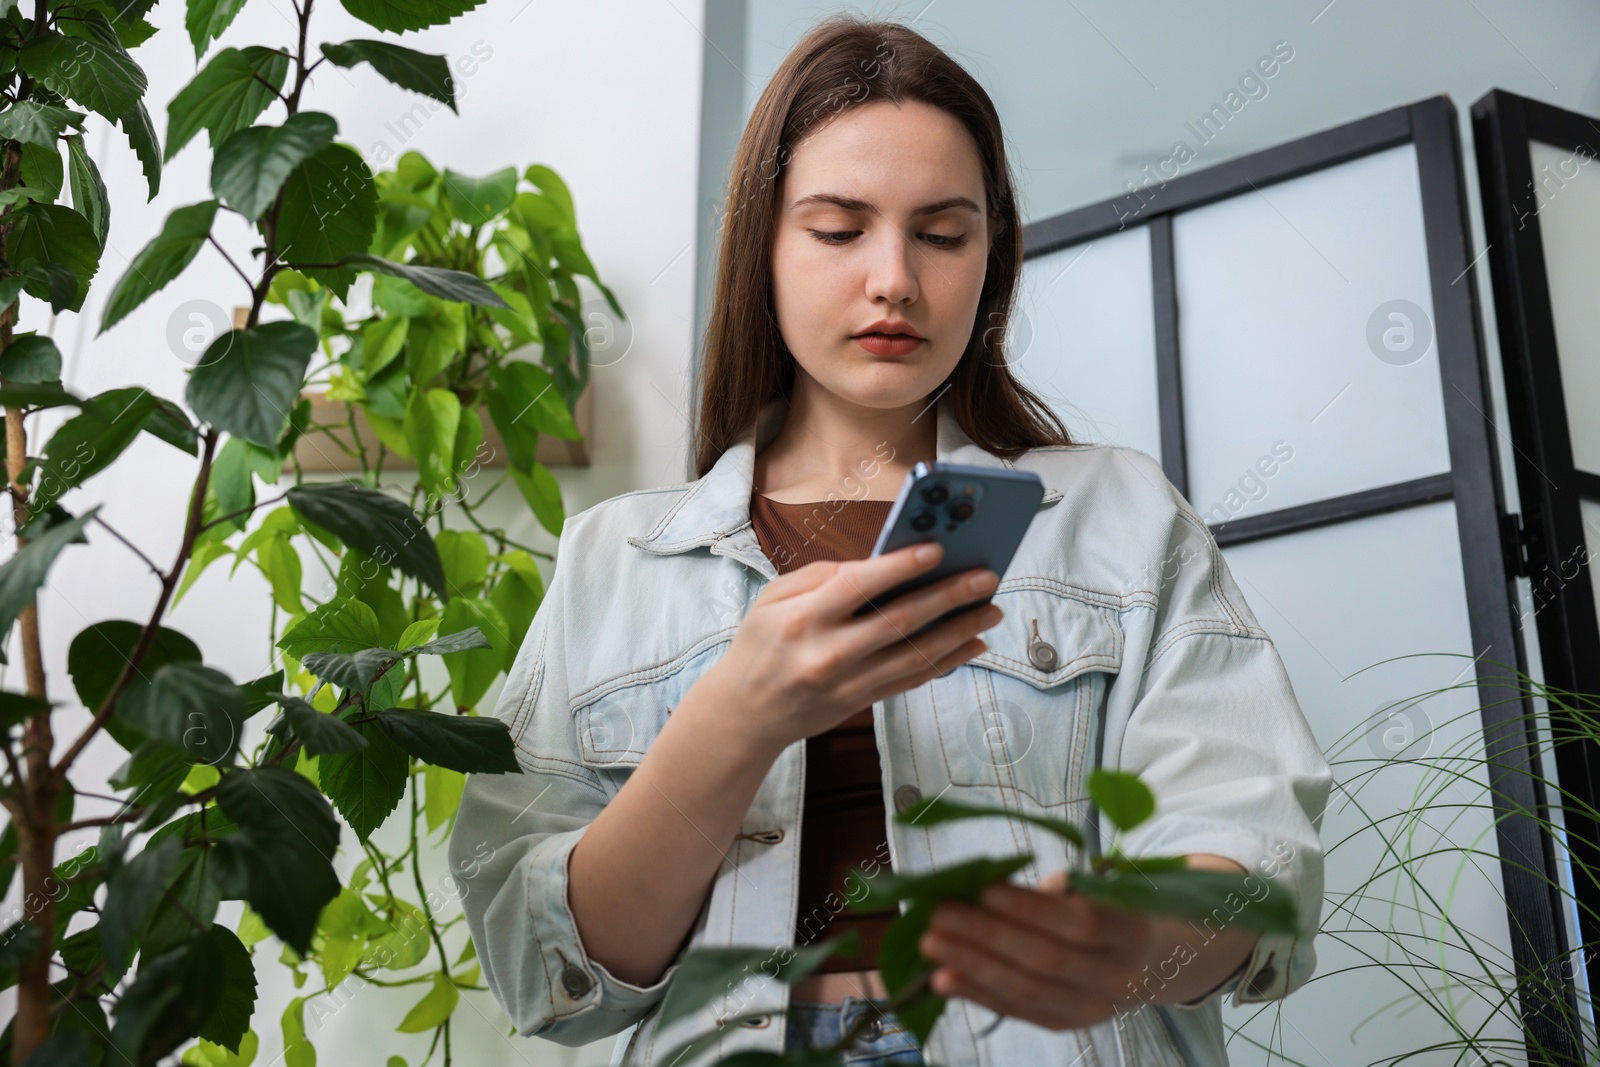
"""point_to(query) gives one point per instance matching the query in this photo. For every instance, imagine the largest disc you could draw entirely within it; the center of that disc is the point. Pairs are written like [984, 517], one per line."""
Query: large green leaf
[98, 654]
[320, 734]
[377, 524]
[406, 67]
[98, 74]
[436, 281]
[90, 441]
[228, 95]
[48, 236]
[433, 1009]
[477, 201]
[31, 358]
[160, 261]
[403, 15]
[1121, 797]
[471, 673]
[1196, 895]
[42, 171]
[543, 494]
[88, 188]
[342, 624]
[352, 670]
[23, 574]
[330, 210]
[472, 744]
[131, 898]
[207, 19]
[190, 706]
[707, 973]
[522, 391]
[172, 995]
[142, 138]
[365, 785]
[430, 424]
[962, 881]
[252, 165]
[36, 123]
[466, 558]
[230, 1021]
[248, 380]
[280, 860]
[932, 811]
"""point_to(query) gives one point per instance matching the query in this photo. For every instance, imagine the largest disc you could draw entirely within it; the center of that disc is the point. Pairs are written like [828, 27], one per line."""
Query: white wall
[606, 92]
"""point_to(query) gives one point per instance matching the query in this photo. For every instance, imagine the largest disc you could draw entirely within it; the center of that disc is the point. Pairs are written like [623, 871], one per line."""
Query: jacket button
[906, 796]
[1041, 653]
[575, 981]
[874, 1030]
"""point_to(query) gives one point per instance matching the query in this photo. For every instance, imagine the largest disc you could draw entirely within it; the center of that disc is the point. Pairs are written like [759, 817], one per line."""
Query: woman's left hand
[1051, 957]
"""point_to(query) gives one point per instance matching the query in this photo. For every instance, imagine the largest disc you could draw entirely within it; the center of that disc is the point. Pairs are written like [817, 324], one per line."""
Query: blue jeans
[887, 1044]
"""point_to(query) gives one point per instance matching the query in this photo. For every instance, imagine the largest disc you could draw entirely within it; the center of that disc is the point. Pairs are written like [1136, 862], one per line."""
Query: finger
[1002, 981]
[1071, 918]
[800, 580]
[860, 580]
[908, 664]
[905, 615]
[1033, 947]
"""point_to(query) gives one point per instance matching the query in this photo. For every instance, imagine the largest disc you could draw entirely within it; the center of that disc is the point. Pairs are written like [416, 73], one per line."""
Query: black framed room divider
[1226, 343]
[1539, 203]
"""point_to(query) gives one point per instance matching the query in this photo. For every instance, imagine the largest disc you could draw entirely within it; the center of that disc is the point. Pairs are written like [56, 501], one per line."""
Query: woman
[694, 636]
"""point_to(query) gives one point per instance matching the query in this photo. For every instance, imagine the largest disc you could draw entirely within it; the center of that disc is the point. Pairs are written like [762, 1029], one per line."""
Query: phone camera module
[923, 521]
[936, 494]
[962, 510]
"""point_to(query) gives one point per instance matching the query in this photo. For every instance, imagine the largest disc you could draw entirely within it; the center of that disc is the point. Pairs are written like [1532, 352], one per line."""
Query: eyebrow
[850, 203]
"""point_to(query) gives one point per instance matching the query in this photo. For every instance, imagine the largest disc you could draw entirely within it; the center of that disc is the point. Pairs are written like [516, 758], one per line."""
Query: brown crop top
[844, 820]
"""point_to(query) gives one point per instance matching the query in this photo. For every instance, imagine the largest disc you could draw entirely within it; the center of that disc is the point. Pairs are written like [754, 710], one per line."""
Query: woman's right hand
[801, 662]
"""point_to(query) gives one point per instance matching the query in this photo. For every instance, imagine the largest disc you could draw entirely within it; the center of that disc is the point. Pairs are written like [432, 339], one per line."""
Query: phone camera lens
[923, 521]
[936, 494]
[961, 510]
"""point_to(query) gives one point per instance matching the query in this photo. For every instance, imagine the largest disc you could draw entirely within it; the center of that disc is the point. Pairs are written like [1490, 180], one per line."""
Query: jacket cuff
[1280, 963]
[588, 1002]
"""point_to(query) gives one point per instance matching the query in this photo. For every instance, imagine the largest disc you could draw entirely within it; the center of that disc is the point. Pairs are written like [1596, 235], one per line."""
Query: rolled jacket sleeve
[1211, 723]
[510, 846]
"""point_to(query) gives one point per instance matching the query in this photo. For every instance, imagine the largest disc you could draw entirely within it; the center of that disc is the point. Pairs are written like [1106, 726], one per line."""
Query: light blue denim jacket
[1125, 643]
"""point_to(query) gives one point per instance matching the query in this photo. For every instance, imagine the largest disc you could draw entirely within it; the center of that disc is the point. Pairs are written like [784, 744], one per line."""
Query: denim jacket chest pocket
[617, 721]
[1023, 717]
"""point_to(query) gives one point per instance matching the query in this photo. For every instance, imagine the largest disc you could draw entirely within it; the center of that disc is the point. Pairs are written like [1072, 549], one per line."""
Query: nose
[892, 270]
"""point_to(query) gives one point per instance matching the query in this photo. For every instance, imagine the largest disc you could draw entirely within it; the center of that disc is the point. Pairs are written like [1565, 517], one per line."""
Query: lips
[883, 344]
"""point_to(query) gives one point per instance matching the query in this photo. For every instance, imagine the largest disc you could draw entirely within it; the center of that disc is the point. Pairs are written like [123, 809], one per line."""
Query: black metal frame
[1549, 485]
[1473, 482]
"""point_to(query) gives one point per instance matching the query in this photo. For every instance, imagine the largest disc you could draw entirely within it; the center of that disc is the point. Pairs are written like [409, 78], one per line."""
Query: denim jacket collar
[718, 505]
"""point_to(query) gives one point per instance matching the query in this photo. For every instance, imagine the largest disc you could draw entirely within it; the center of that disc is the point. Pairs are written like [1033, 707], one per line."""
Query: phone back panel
[930, 508]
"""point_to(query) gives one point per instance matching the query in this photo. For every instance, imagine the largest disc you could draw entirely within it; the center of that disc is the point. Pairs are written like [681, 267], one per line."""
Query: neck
[829, 448]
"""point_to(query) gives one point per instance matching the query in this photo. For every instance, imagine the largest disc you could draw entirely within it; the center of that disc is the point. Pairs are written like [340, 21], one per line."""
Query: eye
[837, 237]
[939, 240]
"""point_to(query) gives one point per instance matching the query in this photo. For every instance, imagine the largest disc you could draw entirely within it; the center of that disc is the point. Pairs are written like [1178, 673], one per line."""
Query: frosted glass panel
[1337, 599]
[1085, 339]
[1304, 323]
[1567, 191]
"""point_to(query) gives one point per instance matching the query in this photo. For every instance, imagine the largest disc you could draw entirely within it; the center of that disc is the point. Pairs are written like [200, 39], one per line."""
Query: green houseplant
[1157, 885]
[1397, 917]
[357, 732]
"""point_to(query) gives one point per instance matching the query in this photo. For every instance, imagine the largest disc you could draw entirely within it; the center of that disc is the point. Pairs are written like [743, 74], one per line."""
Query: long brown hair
[841, 63]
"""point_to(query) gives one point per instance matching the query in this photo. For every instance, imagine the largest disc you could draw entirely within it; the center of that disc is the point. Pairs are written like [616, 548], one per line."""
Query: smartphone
[979, 515]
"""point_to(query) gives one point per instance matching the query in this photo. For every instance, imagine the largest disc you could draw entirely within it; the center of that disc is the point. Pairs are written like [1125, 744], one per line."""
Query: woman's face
[880, 218]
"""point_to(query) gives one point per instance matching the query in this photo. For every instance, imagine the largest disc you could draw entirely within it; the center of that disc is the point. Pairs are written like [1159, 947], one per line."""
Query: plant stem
[427, 909]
